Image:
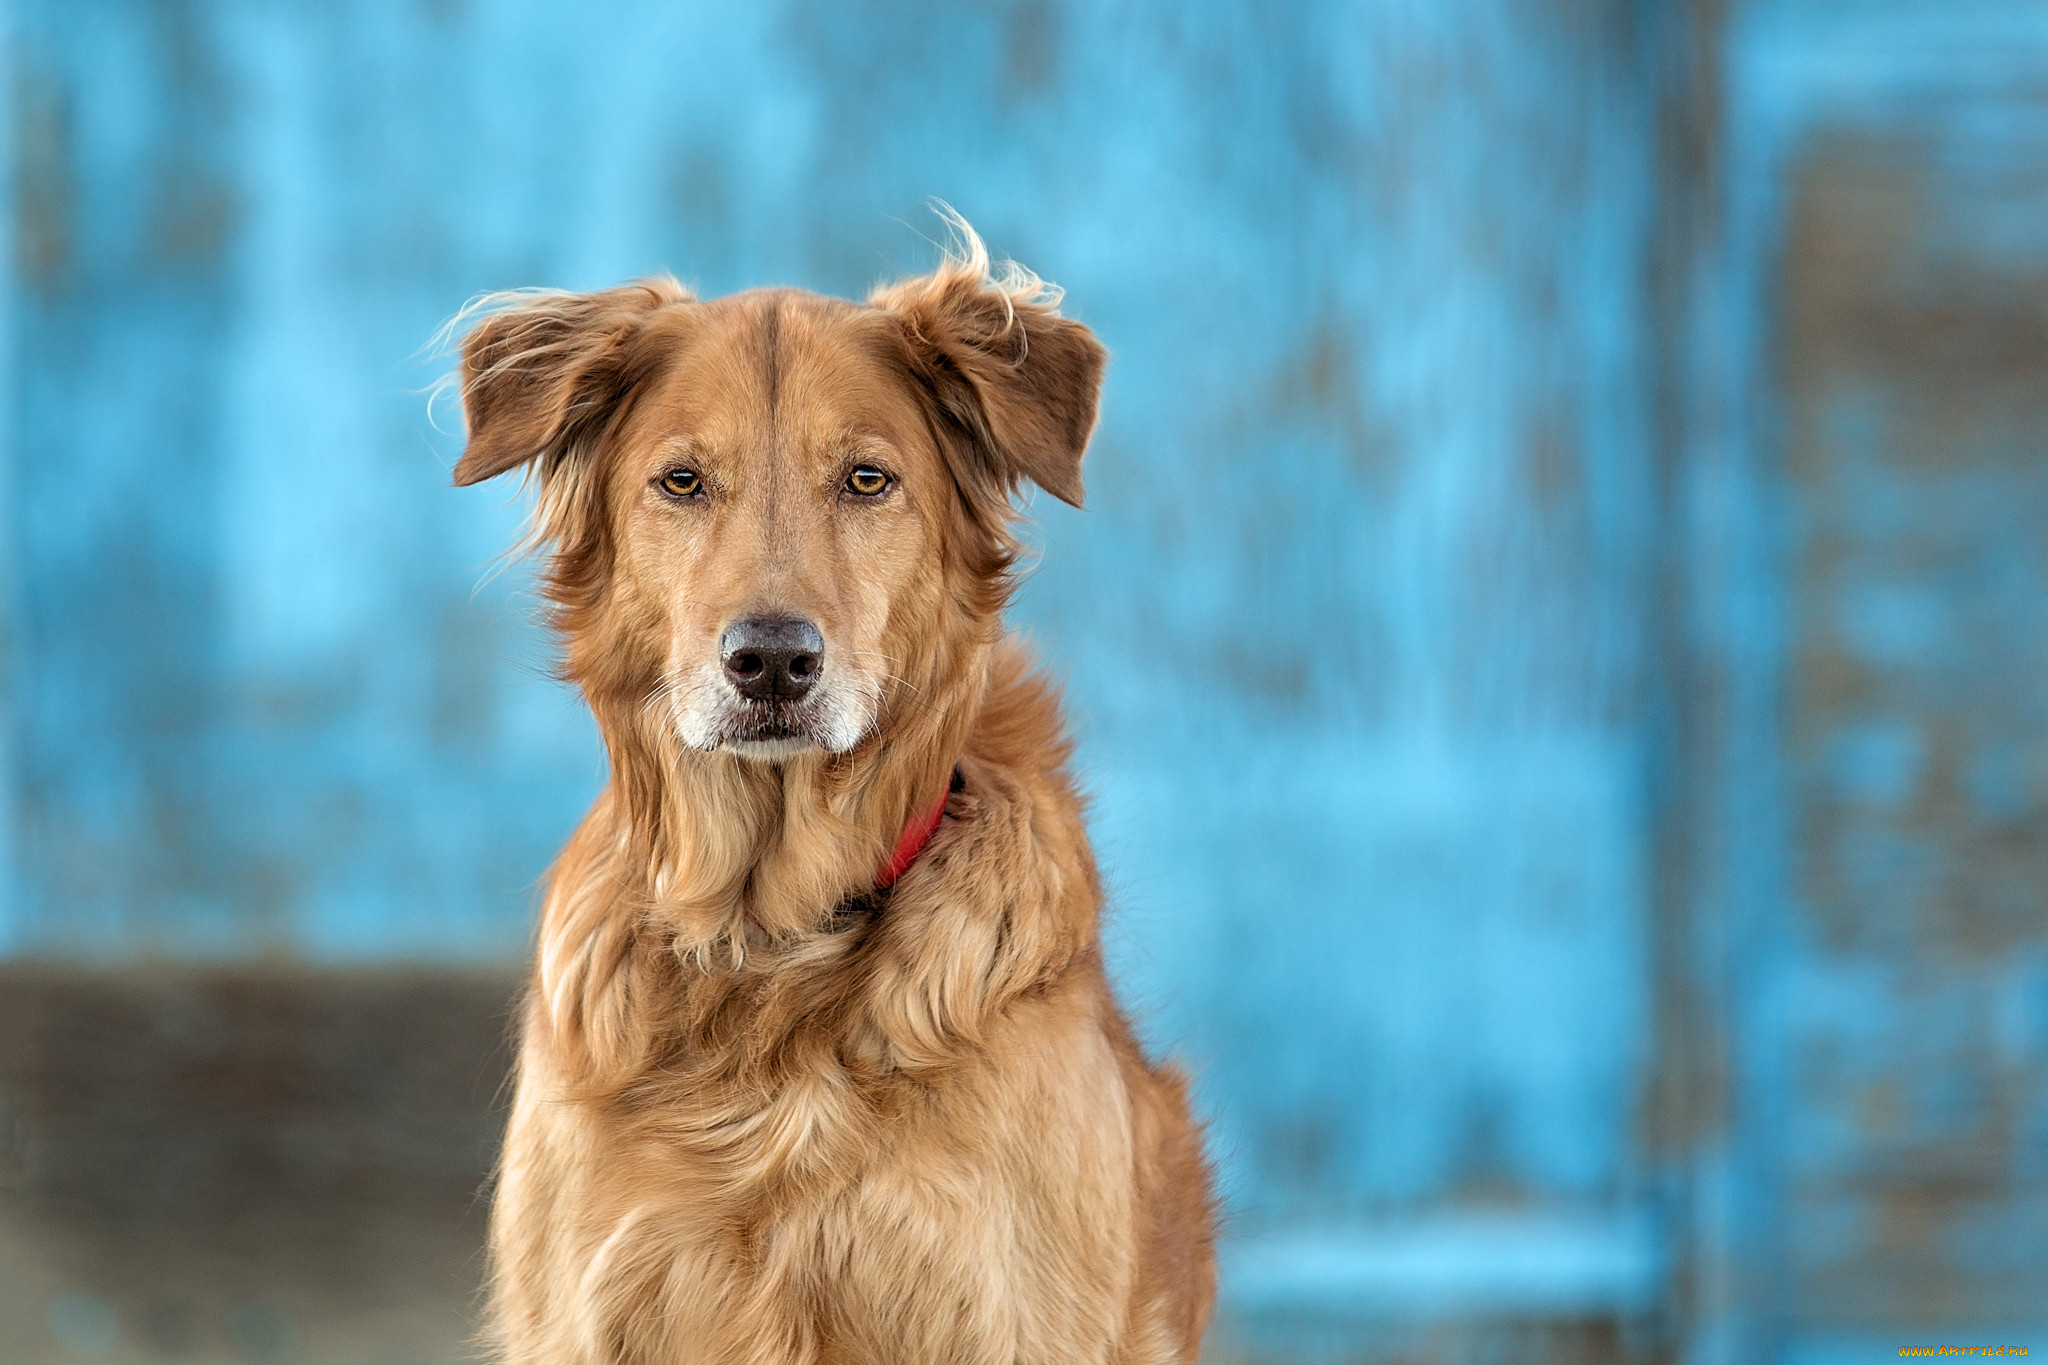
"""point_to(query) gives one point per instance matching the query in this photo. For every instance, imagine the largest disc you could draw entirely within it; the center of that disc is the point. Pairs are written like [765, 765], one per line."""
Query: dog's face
[780, 504]
[777, 518]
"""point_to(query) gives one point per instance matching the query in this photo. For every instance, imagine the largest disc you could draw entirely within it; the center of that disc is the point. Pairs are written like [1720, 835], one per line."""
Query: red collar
[916, 835]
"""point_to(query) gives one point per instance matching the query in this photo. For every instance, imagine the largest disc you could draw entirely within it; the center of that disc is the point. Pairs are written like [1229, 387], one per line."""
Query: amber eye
[682, 483]
[866, 481]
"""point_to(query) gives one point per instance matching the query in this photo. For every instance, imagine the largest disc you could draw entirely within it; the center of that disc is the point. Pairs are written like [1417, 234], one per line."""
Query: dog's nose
[772, 657]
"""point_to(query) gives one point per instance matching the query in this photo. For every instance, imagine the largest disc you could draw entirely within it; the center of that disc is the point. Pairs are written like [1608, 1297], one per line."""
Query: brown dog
[774, 1105]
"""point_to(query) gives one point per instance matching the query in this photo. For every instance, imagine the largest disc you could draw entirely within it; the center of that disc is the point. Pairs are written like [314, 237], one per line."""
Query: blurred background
[1557, 639]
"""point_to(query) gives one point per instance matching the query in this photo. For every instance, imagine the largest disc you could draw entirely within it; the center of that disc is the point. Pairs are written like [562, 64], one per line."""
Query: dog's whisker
[889, 677]
[897, 678]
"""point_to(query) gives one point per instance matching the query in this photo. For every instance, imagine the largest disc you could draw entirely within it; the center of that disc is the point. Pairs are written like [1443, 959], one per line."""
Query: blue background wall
[1556, 636]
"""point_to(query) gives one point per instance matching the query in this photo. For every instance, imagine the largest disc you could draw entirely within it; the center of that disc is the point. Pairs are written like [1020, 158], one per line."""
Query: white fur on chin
[703, 710]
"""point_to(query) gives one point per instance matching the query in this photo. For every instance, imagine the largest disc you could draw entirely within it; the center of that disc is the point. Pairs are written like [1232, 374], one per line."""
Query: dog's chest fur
[872, 1221]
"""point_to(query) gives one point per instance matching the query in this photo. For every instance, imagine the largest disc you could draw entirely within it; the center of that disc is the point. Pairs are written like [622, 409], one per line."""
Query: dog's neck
[739, 850]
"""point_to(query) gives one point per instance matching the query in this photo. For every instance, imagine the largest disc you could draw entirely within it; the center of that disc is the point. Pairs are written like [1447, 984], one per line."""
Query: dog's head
[775, 520]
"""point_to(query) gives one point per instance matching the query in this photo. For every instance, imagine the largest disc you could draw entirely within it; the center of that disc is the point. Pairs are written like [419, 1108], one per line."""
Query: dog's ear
[1017, 380]
[543, 368]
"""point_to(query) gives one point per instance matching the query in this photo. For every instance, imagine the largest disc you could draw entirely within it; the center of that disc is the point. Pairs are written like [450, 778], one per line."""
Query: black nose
[772, 657]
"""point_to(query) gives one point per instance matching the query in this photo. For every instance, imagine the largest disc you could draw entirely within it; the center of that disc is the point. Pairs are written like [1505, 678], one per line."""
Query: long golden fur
[760, 1117]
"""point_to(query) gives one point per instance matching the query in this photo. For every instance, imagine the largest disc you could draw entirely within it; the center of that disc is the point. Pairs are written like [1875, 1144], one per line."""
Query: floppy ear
[545, 368]
[1019, 380]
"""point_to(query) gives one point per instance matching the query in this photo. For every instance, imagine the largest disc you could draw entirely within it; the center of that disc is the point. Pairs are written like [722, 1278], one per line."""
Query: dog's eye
[866, 481]
[682, 483]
